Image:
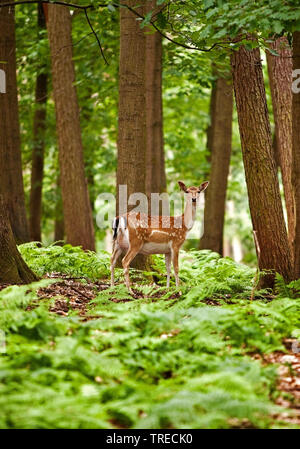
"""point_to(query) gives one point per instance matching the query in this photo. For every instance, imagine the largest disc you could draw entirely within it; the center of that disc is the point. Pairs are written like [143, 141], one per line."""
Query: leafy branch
[115, 5]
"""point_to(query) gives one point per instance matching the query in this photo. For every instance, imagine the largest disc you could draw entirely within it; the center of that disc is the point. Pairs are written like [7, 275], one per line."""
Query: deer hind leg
[168, 267]
[129, 256]
[175, 254]
[115, 255]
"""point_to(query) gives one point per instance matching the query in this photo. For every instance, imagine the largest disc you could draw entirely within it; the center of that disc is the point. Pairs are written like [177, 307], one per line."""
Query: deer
[135, 234]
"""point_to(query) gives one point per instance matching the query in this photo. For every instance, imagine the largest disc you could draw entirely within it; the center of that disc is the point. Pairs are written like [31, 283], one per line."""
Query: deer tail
[119, 225]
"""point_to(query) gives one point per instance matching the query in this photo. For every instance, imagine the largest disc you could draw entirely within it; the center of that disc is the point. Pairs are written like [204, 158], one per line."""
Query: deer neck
[189, 215]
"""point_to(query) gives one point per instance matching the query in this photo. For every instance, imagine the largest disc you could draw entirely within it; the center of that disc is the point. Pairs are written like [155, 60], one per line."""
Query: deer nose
[194, 200]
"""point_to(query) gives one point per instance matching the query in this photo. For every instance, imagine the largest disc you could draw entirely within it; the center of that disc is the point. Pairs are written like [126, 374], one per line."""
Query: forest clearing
[150, 214]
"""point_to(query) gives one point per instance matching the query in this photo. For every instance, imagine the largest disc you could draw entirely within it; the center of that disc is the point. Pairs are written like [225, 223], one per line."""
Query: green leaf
[208, 4]
[111, 7]
[277, 26]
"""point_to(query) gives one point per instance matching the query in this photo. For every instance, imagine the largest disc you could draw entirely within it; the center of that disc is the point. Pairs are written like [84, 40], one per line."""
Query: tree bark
[13, 269]
[76, 203]
[131, 170]
[219, 139]
[296, 153]
[260, 170]
[155, 163]
[39, 128]
[11, 179]
[280, 76]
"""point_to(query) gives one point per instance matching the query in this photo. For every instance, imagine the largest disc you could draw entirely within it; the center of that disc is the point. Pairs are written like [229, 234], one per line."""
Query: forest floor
[70, 294]
[211, 358]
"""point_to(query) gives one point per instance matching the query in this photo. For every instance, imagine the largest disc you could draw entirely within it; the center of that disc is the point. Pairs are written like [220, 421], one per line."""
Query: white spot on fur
[160, 232]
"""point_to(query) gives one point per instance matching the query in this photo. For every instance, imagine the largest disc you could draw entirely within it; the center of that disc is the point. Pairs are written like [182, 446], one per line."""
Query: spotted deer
[135, 234]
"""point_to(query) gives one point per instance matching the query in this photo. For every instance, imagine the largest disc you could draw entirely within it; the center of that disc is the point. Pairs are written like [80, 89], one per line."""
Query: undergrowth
[163, 361]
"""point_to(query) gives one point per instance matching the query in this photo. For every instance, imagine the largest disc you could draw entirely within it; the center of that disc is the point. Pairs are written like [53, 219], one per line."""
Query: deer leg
[116, 253]
[129, 256]
[168, 267]
[175, 253]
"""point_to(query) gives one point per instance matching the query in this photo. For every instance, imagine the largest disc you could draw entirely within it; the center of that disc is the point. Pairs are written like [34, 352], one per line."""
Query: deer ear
[182, 186]
[203, 186]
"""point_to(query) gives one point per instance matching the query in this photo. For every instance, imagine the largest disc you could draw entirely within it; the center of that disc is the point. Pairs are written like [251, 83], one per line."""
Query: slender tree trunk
[59, 225]
[39, 128]
[260, 170]
[13, 269]
[11, 178]
[280, 75]
[296, 152]
[155, 164]
[209, 133]
[220, 146]
[131, 169]
[76, 202]
[88, 159]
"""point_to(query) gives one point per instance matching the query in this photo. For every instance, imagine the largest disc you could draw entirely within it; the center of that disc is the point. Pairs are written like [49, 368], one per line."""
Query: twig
[54, 2]
[75, 43]
[79, 292]
[70, 5]
[95, 34]
[116, 5]
[256, 244]
[180, 44]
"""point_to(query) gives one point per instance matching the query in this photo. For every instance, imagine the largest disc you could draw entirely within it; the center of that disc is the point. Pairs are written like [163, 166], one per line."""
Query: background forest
[146, 94]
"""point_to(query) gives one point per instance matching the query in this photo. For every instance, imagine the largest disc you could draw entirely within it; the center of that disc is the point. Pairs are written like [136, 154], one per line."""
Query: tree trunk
[59, 225]
[296, 153]
[88, 156]
[131, 169]
[209, 133]
[76, 204]
[11, 179]
[13, 269]
[280, 76]
[219, 137]
[260, 170]
[39, 128]
[155, 166]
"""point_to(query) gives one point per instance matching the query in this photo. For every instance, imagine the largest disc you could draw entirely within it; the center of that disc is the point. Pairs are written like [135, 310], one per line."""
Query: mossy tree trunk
[260, 169]
[13, 269]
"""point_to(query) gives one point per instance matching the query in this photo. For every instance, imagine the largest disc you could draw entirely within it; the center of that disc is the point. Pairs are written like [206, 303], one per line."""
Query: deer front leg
[115, 255]
[129, 256]
[168, 268]
[175, 254]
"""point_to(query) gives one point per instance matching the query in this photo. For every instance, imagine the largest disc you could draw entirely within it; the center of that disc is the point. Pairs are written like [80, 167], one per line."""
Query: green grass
[150, 363]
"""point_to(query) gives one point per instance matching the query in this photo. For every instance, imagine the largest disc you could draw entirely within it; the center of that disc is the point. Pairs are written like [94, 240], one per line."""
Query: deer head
[193, 192]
